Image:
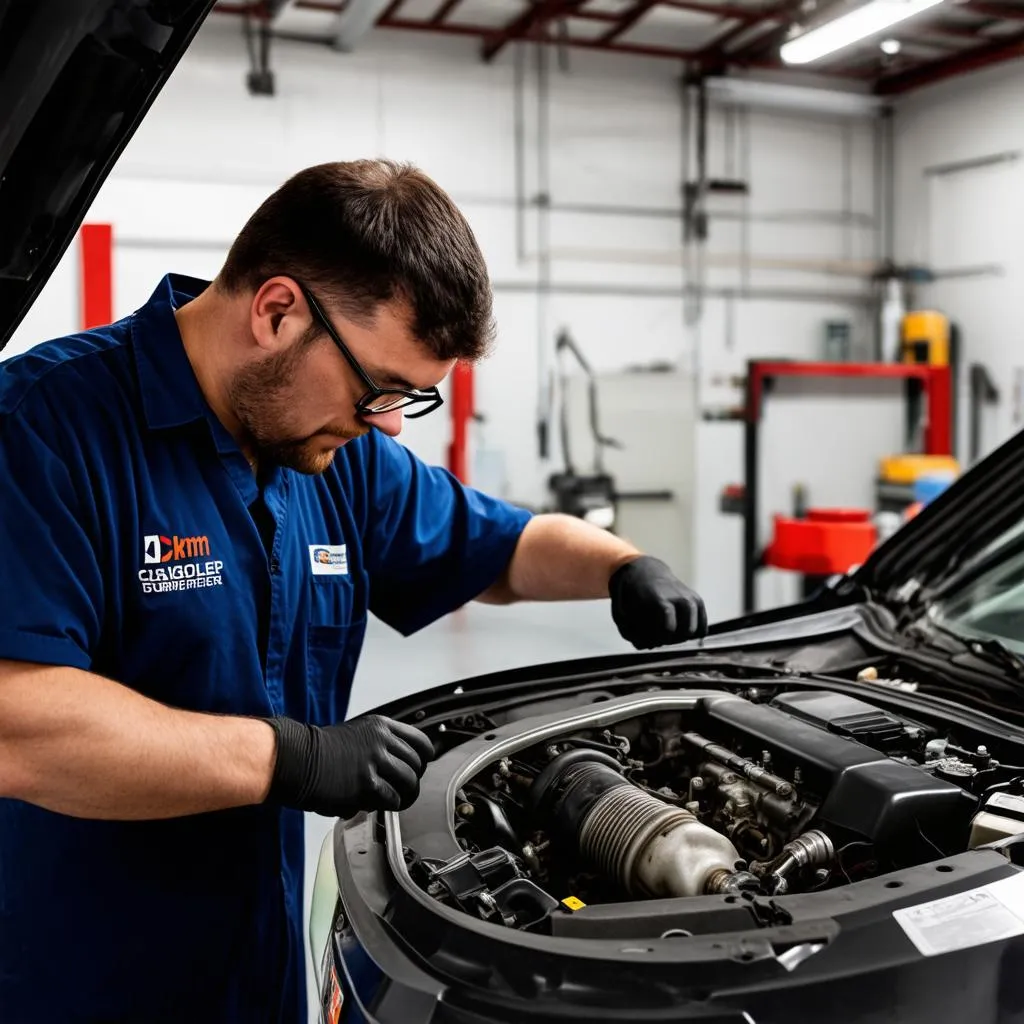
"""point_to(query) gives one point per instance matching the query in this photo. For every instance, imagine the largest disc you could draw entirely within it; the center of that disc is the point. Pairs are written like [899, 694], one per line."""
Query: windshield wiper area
[967, 652]
[999, 654]
[961, 571]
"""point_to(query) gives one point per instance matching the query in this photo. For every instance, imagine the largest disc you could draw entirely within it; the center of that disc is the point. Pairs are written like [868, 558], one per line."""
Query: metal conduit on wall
[591, 288]
[463, 199]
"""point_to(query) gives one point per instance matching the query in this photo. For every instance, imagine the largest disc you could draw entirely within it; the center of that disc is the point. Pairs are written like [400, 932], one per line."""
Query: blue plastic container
[928, 487]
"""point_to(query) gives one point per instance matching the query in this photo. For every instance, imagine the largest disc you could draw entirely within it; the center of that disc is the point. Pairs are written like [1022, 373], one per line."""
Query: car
[815, 814]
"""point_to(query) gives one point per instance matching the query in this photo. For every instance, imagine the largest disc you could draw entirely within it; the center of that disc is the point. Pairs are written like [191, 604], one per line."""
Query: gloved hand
[371, 763]
[652, 608]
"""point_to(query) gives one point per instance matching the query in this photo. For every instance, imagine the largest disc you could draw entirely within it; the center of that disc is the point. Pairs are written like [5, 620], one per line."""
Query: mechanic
[200, 505]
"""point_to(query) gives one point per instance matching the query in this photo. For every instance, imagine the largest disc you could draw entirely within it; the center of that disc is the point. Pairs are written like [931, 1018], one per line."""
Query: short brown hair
[365, 232]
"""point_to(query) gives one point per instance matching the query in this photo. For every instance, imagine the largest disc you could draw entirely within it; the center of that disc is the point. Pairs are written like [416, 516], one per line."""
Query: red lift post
[935, 382]
[462, 412]
[96, 275]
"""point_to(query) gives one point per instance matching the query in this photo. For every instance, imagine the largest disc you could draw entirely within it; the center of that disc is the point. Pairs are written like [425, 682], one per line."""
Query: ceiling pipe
[355, 21]
[782, 96]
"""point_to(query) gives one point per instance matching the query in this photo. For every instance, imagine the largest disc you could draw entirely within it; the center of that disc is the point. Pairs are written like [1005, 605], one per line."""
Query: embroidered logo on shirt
[183, 571]
[158, 548]
[328, 559]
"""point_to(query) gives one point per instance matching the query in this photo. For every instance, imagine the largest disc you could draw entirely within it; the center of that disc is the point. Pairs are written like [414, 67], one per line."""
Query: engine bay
[744, 792]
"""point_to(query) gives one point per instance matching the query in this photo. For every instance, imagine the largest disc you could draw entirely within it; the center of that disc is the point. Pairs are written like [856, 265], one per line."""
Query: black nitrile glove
[369, 764]
[652, 608]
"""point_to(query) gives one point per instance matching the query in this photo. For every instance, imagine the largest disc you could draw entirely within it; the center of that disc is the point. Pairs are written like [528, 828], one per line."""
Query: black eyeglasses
[377, 400]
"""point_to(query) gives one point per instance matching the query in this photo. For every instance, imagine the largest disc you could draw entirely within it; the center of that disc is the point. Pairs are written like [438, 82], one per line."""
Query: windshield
[986, 598]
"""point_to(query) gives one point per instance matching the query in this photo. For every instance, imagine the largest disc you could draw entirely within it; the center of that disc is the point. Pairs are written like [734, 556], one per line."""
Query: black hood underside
[76, 79]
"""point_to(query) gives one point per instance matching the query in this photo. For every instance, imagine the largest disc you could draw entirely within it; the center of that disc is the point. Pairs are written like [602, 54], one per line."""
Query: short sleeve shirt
[137, 543]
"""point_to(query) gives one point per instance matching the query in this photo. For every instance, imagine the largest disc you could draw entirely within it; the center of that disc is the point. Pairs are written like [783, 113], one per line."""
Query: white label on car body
[972, 918]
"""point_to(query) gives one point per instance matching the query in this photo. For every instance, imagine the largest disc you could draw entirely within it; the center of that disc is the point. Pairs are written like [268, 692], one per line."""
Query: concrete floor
[474, 640]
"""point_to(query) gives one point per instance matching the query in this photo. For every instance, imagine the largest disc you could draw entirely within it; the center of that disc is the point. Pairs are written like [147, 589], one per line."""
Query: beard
[264, 400]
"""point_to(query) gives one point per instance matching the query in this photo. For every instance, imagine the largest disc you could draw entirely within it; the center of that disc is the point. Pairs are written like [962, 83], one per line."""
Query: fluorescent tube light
[875, 16]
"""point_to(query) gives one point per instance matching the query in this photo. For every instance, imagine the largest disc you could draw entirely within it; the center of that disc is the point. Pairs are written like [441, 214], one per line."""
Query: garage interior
[735, 296]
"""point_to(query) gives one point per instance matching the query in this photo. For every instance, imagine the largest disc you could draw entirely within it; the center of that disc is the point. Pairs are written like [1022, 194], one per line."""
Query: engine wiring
[605, 748]
[934, 846]
[842, 850]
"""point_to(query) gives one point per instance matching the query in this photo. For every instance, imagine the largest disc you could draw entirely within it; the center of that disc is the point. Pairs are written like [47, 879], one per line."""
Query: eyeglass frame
[414, 396]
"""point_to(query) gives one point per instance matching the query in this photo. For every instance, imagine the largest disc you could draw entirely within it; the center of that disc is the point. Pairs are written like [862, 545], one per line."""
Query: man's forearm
[560, 558]
[83, 745]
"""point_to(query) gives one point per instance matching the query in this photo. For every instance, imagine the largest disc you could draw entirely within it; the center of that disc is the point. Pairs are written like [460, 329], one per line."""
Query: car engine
[725, 794]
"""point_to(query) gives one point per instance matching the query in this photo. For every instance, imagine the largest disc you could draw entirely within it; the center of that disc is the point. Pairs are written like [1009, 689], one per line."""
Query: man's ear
[279, 314]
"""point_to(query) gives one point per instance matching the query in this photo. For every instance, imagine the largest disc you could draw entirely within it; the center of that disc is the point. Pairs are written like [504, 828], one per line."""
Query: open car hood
[965, 519]
[76, 79]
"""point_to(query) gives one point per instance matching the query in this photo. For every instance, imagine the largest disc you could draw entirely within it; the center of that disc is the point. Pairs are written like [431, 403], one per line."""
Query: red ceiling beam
[448, 28]
[335, 7]
[443, 11]
[785, 14]
[520, 27]
[319, 5]
[633, 49]
[944, 47]
[487, 32]
[716, 49]
[628, 20]
[256, 8]
[744, 15]
[775, 64]
[531, 25]
[937, 71]
[718, 10]
[945, 31]
[1004, 12]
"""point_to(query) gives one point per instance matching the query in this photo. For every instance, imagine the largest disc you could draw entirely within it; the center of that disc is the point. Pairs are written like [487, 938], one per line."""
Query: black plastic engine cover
[846, 716]
[861, 792]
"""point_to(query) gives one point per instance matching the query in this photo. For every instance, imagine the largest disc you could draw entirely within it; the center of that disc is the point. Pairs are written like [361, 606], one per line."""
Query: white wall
[970, 218]
[209, 153]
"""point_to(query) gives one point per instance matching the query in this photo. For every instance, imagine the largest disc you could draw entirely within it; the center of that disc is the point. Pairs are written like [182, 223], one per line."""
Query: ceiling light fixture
[874, 17]
[891, 46]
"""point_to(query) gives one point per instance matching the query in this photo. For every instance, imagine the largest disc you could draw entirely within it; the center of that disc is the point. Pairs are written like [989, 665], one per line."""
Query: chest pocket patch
[328, 559]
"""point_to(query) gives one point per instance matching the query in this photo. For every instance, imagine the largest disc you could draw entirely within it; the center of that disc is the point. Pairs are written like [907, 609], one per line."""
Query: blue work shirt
[131, 546]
